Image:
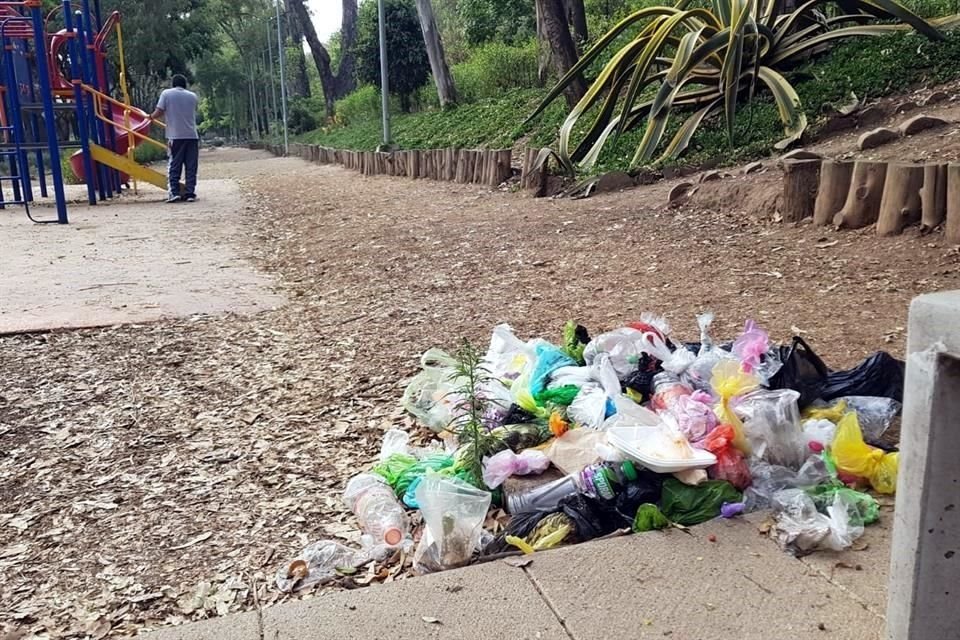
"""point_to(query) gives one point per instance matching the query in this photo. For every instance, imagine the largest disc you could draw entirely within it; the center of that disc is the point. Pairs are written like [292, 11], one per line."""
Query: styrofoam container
[659, 449]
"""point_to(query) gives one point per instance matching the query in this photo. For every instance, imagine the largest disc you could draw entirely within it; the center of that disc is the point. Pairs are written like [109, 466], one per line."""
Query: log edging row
[490, 167]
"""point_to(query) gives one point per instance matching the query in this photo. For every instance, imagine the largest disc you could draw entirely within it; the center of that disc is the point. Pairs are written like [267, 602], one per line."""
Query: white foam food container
[659, 449]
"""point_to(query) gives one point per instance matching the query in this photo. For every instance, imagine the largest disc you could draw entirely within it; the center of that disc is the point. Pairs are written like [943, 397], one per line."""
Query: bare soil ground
[153, 474]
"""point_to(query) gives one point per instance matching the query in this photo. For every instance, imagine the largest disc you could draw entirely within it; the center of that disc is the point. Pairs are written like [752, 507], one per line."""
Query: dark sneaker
[190, 197]
[173, 199]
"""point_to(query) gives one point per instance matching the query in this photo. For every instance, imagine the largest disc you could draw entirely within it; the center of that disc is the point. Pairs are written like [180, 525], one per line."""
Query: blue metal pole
[79, 101]
[35, 131]
[8, 106]
[16, 119]
[90, 79]
[46, 92]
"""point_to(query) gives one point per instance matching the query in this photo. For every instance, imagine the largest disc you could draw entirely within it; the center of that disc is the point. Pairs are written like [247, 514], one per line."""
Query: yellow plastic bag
[856, 457]
[728, 382]
[834, 413]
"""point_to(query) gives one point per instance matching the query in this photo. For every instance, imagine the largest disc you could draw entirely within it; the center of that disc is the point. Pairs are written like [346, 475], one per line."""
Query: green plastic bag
[688, 505]
[649, 518]
[559, 396]
[391, 468]
[400, 470]
[868, 509]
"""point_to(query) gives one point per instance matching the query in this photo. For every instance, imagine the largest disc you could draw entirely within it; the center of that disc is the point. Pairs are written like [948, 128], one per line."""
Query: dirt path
[159, 473]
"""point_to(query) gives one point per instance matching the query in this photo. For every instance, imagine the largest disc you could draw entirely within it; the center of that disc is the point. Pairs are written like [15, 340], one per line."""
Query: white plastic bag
[394, 441]
[771, 421]
[589, 407]
[818, 433]
[428, 396]
[507, 355]
[454, 513]
[498, 467]
[624, 346]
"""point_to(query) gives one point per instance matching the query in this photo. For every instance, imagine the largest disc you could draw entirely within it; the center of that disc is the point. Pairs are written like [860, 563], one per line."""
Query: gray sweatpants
[184, 154]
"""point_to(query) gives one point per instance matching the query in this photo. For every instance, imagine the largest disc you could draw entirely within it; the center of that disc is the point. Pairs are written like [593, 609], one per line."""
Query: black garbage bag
[641, 380]
[521, 525]
[518, 415]
[595, 517]
[881, 376]
[802, 370]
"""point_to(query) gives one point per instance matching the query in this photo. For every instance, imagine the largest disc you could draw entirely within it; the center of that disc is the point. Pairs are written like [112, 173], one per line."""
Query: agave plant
[706, 60]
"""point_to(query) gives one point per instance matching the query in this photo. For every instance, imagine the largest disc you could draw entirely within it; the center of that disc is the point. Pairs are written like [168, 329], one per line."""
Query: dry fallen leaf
[518, 561]
[430, 620]
[189, 543]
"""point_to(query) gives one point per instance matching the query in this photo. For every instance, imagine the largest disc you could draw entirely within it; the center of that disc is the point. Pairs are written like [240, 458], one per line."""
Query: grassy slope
[869, 68]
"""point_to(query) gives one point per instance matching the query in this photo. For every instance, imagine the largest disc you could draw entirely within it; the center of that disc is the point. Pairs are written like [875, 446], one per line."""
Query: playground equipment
[56, 93]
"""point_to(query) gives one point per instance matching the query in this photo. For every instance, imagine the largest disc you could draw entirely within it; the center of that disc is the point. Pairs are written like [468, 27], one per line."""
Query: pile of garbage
[630, 430]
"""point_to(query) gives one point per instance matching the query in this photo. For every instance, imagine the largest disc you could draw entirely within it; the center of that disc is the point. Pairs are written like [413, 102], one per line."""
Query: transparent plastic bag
[428, 397]
[318, 563]
[394, 441]
[624, 346]
[507, 355]
[772, 424]
[454, 513]
[875, 415]
[768, 479]
[856, 457]
[700, 371]
[801, 528]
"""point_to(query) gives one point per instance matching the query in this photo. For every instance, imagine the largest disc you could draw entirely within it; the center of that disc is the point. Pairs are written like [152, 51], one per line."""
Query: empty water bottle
[381, 516]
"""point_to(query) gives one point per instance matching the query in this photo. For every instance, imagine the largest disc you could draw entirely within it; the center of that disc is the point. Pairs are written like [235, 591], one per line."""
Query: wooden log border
[489, 167]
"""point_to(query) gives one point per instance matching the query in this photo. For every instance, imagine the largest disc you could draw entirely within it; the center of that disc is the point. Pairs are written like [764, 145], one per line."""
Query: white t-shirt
[179, 108]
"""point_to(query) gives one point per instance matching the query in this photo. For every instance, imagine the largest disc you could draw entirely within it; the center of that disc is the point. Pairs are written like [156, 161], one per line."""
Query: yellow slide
[123, 164]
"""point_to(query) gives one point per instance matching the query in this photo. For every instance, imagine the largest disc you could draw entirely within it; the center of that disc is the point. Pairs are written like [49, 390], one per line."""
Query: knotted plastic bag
[856, 457]
[731, 465]
[497, 468]
[729, 382]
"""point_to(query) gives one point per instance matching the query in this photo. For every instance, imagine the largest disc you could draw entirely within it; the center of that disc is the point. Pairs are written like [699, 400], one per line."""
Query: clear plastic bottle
[602, 480]
[381, 516]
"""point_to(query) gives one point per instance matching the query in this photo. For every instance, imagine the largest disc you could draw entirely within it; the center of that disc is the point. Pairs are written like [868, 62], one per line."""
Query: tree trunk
[299, 83]
[544, 56]
[438, 61]
[577, 18]
[863, 198]
[335, 85]
[952, 231]
[800, 180]
[900, 205]
[557, 31]
[933, 196]
[834, 185]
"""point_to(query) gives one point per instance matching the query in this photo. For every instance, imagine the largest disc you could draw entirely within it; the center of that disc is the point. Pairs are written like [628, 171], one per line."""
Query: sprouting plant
[477, 440]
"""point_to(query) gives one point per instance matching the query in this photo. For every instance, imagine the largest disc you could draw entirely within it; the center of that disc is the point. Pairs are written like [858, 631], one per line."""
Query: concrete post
[924, 594]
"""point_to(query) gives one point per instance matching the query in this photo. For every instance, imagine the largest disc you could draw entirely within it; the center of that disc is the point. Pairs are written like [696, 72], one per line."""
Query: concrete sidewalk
[721, 580]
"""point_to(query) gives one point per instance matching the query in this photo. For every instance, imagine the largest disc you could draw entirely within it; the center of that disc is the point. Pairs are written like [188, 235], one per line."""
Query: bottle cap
[629, 470]
[393, 536]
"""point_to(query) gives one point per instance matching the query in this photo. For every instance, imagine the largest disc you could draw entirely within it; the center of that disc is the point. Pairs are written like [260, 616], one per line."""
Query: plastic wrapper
[649, 518]
[498, 467]
[802, 528]
[453, 512]
[857, 458]
[731, 465]
[730, 382]
[318, 563]
[768, 479]
[688, 505]
[772, 425]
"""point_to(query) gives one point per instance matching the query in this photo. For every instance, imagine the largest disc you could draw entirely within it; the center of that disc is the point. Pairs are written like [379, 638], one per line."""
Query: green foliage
[476, 440]
[488, 123]
[148, 154]
[300, 119]
[360, 106]
[409, 67]
[69, 177]
[504, 21]
[704, 61]
[494, 68]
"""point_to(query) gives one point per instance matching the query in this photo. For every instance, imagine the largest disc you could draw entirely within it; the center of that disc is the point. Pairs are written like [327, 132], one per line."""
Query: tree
[554, 21]
[446, 91]
[507, 21]
[335, 84]
[299, 84]
[408, 64]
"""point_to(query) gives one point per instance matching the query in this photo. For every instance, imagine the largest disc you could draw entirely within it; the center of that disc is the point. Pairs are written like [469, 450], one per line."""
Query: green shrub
[359, 106]
[301, 119]
[495, 68]
[148, 153]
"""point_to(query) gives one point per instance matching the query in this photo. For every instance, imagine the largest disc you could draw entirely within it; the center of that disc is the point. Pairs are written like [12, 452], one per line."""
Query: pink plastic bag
[497, 468]
[751, 346]
[695, 418]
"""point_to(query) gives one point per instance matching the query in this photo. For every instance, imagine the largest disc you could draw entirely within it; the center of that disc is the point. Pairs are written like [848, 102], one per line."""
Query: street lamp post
[283, 81]
[384, 80]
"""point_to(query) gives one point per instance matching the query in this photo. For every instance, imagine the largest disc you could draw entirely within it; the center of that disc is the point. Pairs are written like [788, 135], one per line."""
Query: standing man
[178, 108]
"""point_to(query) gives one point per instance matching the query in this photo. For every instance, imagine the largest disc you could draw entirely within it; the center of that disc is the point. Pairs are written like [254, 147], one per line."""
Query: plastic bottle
[602, 480]
[381, 516]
